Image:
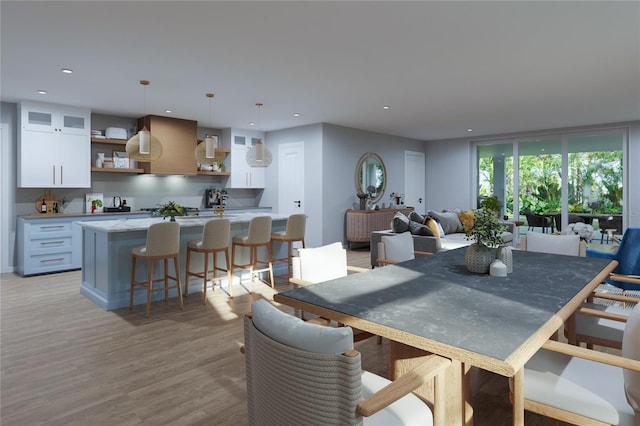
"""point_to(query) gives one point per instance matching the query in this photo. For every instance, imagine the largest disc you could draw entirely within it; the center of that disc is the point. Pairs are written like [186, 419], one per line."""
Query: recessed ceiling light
[67, 71]
[386, 107]
[251, 123]
[42, 92]
[168, 111]
[296, 114]
[469, 130]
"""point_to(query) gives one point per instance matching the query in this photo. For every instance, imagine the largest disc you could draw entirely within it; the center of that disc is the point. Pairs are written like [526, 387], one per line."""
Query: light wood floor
[64, 361]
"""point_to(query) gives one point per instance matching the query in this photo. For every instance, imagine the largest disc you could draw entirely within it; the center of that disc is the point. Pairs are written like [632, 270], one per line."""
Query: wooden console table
[361, 223]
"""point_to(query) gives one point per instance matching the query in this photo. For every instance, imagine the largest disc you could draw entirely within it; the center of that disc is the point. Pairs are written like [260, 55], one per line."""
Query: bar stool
[215, 239]
[296, 224]
[163, 243]
[259, 236]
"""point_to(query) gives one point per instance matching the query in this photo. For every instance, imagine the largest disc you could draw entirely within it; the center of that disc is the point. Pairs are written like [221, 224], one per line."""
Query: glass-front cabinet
[54, 148]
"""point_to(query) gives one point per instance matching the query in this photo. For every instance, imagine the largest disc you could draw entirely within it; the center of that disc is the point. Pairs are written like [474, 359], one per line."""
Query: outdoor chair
[299, 373]
[537, 221]
[585, 387]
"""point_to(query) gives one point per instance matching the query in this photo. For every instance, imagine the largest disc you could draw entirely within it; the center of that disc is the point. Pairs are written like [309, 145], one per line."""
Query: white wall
[8, 121]
[449, 164]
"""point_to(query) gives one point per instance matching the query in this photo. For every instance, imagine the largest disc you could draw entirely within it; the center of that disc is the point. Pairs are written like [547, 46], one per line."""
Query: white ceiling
[443, 67]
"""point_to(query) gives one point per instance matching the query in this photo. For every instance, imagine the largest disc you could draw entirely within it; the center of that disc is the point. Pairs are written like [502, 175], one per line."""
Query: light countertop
[126, 225]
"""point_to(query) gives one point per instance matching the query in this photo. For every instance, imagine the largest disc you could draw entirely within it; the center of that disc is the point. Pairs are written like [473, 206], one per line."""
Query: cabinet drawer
[41, 230]
[50, 245]
[38, 264]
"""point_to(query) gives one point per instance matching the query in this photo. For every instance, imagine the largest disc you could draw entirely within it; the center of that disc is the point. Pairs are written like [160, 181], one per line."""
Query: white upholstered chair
[216, 235]
[554, 244]
[318, 264]
[163, 243]
[397, 248]
[586, 387]
[318, 376]
[259, 236]
[294, 232]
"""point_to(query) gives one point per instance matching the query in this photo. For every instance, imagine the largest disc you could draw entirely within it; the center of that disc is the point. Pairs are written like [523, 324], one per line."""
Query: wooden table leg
[451, 390]
[518, 398]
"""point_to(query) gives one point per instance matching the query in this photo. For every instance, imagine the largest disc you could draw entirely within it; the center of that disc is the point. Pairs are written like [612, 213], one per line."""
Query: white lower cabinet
[53, 244]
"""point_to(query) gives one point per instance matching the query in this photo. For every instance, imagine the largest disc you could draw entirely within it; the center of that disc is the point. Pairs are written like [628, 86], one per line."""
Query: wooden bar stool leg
[252, 266]
[149, 286]
[186, 274]
[166, 279]
[229, 274]
[271, 266]
[177, 270]
[289, 248]
[133, 284]
[206, 272]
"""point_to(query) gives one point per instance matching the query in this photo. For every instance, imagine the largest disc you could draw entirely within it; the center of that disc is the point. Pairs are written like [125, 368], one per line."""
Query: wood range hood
[179, 138]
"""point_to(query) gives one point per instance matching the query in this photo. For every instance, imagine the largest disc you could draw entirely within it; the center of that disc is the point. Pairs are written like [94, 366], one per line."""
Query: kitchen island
[106, 256]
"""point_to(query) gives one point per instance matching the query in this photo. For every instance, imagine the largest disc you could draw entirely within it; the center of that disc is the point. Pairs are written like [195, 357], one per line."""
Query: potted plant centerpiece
[485, 233]
[171, 209]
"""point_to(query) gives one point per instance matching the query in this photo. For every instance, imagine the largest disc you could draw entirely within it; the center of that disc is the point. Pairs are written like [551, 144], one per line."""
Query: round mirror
[371, 176]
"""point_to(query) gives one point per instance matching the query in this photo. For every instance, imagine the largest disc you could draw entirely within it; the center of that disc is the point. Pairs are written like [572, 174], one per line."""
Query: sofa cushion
[467, 218]
[555, 244]
[399, 247]
[416, 217]
[449, 221]
[400, 223]
[433, 226]
[417, 228]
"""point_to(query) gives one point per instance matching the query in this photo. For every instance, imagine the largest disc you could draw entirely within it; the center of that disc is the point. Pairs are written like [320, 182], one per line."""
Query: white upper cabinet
[54, 146]
[243, 175]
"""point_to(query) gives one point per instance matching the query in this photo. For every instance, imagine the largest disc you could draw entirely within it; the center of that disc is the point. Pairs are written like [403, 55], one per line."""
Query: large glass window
[593, 185]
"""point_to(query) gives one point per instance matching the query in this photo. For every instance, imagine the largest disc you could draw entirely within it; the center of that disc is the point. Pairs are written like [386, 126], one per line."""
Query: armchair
[537, 221]
[586, 387]
[397, 248]
[626, 276]
[301, 373]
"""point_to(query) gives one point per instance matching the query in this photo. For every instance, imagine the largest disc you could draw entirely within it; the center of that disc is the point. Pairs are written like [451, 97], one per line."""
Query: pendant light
[208, 152]
[144, 146]
[259, 155]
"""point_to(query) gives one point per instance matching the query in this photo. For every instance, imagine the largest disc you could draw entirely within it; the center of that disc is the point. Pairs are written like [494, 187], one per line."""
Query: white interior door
[291, 178]
[414, 176]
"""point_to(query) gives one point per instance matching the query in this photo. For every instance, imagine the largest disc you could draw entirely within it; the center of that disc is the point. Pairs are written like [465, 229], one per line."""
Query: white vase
[505, 254]
[100, 159]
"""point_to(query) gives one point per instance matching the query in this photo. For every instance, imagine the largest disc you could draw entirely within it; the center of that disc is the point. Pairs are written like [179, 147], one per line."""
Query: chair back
[259, 230]
[163, 239]
[631, 349]
[628, 254]
[313, 388]
[320, 263]
[535, 219]
[554, 244]
[216, 234]
[398, 247]
[296, 225]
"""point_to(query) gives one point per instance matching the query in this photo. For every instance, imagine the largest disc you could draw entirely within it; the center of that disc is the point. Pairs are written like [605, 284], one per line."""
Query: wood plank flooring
[65, 361]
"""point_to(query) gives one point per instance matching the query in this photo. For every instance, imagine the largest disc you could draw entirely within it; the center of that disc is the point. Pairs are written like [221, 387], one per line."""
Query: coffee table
[434, 305]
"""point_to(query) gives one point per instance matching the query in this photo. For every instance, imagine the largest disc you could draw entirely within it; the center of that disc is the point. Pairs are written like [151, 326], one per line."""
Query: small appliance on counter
[215, 198]
[115, 133]
[118, 205]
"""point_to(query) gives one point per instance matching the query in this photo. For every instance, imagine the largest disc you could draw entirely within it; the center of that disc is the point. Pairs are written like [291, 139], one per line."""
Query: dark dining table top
[435, 298]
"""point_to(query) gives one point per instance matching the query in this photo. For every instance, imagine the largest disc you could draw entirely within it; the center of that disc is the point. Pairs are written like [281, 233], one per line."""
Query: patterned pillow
[400, 223]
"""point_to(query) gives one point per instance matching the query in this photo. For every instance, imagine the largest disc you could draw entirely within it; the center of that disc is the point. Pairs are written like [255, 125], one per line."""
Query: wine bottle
[43, 207]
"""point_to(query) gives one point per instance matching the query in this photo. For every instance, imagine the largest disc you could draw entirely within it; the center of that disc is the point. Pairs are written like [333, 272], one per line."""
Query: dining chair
[318, 264]
[299, 373]
[163, 243]
[294, 232]
[216, 235]
[549, 243]
[397, 248]
[259, 235]
[537, 221]
[585, 387]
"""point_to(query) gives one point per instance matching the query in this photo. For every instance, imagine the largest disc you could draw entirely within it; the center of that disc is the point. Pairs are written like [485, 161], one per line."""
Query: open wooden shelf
[202, 172]
[110, 141]
[116, 170]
